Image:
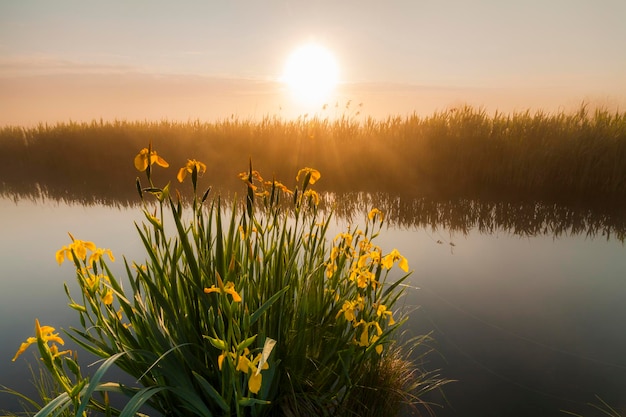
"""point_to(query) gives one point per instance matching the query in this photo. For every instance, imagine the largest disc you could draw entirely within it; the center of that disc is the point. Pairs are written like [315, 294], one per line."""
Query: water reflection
[523, 218]
[460, 215]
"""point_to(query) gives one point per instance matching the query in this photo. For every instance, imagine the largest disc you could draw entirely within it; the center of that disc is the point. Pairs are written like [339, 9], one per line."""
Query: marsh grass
[599, 406]
[399, 383]
[579, 156]
[239, 309]
[45, 387]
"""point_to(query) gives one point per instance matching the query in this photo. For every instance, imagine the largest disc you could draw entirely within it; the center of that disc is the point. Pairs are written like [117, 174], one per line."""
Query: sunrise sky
[135, 60]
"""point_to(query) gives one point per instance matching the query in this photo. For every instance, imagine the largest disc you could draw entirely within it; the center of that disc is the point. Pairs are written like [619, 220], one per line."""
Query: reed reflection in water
[518, 217]
[523, 217]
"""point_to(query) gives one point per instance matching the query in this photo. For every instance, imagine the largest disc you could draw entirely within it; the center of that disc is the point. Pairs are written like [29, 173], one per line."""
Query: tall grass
[462, 151]
[239, 309]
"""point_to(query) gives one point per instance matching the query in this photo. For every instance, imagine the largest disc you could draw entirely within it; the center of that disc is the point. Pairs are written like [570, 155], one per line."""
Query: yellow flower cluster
[351, 308]
[365, 264]
[47, 335]
[251, 180]
[279, 186]
[79, 249]
[147, 157]
[244, 364]
[95, 283]
[261, 187]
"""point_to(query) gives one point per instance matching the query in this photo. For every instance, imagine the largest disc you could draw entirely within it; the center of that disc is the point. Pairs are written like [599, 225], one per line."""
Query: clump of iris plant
[244, 309]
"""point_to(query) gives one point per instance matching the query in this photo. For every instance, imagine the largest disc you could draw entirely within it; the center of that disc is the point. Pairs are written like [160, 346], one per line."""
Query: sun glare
[311, 73]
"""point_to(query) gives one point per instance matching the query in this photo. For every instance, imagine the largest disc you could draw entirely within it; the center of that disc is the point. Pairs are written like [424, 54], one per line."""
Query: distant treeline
[463, 152]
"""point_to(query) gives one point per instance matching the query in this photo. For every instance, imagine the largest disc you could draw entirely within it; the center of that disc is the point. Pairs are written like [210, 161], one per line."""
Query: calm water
[528, 325]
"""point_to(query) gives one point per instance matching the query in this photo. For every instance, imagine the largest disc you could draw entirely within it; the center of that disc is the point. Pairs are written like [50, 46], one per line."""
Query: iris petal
[254, 383]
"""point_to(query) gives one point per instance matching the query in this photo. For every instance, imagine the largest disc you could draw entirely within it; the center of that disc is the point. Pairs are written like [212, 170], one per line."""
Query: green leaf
[184, 240]
[393, 286]
[93, 384]
[212, 392]
[56, 406]
[255, 316]
[219, 242]
[78, 388]
[139, 399]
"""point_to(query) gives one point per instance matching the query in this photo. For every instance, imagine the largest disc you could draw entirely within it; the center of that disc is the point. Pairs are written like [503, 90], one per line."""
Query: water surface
[528, 322]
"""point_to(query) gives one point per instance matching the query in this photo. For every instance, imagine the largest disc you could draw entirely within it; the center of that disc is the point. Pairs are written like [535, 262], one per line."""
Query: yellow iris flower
[255, 380]
[347, 237]
[363, 279]
[245, 177]
[45, 333]
[93, 281]
[375, 212]
[350, 309]
[145, 158]
[388, 260]
[24, 346]
[54, 350]
[334, 253]
[382, 311]
[107, 297]
[365, 340]
[254, 383]
[189, 167]
[79, 247]
[315, 175]
[278, 185]
[98, 253]
[229, 288]
[331, 268]
[313, 195]
[375, 255]
[363, 260]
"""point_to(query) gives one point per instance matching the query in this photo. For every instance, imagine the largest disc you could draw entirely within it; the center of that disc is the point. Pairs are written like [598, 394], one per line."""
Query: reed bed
[461, 151]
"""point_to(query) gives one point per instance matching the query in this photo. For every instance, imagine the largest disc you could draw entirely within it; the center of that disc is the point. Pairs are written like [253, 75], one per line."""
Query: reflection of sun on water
[311, 74]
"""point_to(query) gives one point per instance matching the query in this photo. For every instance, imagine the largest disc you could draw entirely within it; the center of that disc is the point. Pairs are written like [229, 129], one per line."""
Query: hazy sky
[86, 59]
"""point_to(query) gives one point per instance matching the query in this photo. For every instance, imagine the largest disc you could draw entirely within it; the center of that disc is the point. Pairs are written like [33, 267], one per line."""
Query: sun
[311, 73]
